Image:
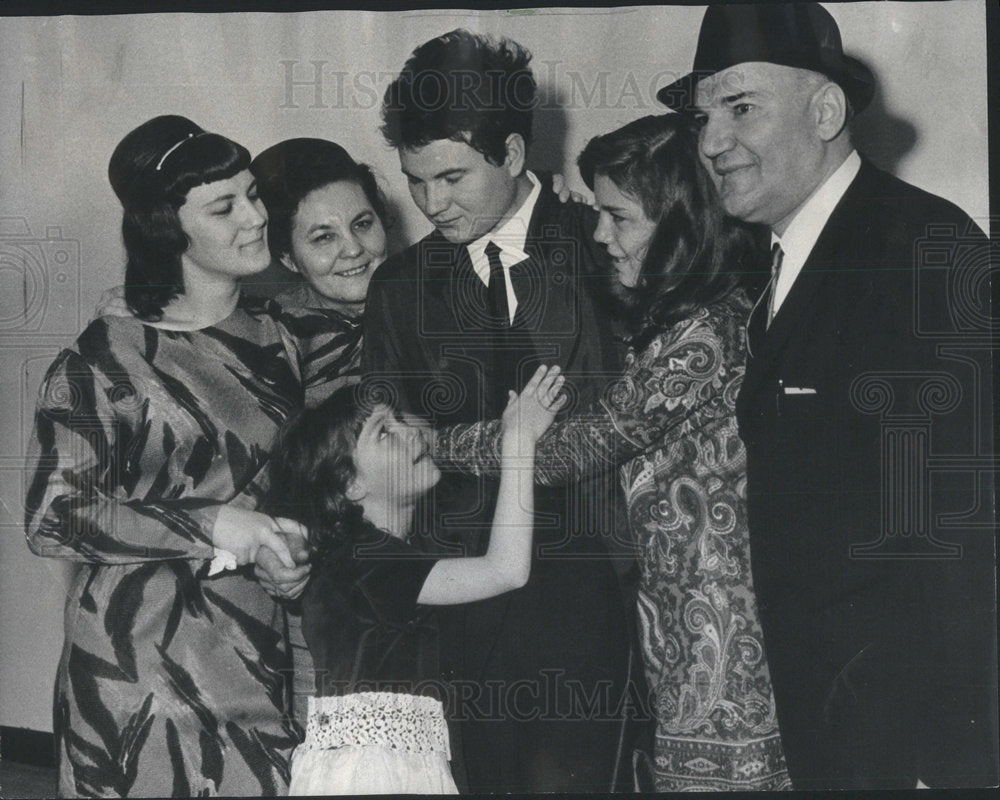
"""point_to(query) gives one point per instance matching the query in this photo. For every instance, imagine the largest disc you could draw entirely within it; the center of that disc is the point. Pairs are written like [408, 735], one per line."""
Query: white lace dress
[373, 743]
[377, 725]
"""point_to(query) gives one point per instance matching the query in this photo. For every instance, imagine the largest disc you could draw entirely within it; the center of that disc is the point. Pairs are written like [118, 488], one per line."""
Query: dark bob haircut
[291, 169]
[464, 87]
[696, 254]
[152, 170]
[312, 465]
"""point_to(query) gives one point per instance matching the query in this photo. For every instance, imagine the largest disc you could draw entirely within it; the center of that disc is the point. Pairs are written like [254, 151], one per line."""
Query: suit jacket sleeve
[381, 351]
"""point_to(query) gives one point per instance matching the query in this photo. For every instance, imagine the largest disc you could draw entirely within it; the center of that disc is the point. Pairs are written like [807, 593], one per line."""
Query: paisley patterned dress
[669, 422]
[170, 682]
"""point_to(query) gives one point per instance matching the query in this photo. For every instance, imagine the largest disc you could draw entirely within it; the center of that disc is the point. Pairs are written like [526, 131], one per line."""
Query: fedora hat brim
[854, 78]
[800, 35]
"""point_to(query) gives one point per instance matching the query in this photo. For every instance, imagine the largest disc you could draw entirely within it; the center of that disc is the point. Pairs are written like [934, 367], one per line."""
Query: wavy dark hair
[312, 466]
[291, 169]
[152, 170]
[697, 254]
[465, 87]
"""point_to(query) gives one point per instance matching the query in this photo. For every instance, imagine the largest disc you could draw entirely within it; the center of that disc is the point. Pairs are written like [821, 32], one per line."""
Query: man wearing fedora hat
[879, 623]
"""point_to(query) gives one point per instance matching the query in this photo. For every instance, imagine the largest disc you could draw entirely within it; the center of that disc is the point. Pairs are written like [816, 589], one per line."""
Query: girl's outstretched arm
[507, 563]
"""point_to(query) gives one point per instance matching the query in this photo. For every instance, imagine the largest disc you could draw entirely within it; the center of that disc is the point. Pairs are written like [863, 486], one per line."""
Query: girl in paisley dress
[150, 439]
[353, 473]
[669, 425]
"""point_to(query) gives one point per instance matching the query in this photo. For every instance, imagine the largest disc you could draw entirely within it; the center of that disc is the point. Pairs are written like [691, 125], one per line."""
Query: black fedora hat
[802, 35]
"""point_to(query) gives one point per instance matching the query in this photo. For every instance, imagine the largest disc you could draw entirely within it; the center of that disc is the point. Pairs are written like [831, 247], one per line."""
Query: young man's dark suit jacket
[425, 335]
[883, 661]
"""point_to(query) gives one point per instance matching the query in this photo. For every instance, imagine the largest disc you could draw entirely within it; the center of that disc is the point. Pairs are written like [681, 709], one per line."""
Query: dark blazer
[427, 340]
[863, 409]
[425, 311]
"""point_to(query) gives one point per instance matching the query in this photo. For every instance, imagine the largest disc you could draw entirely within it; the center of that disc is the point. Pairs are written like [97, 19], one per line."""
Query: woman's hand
[112, 304]
[529, 414]
[278, 580]
[243, 533]
[565, 194]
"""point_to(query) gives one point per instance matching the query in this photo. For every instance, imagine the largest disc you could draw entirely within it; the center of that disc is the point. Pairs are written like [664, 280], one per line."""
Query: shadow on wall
[550, 130]
[881, 136]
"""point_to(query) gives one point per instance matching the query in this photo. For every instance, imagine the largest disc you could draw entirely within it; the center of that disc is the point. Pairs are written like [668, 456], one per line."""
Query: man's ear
[516, 154]
[288, 263]
[830, 108]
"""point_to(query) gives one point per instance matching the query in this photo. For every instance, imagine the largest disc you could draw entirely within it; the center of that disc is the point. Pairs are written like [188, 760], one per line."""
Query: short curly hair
[289, 170]
[465, 87]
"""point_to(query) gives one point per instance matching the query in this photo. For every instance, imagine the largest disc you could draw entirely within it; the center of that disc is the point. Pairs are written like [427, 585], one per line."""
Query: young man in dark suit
[508, 279]
[880, 625]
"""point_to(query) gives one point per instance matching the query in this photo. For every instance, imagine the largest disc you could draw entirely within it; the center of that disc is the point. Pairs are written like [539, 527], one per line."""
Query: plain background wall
[71, 87]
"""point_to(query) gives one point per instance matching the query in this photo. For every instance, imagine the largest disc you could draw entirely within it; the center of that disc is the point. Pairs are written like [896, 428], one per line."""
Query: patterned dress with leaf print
[328, 341]
[170, 681]
[669, 424]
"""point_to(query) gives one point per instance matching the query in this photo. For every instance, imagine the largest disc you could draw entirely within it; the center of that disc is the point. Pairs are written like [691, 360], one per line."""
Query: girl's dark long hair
[312, 466]
[697, 255]
[152, 170]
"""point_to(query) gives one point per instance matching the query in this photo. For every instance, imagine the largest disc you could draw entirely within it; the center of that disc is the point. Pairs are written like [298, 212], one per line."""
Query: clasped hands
[277, 579]
[274, 545]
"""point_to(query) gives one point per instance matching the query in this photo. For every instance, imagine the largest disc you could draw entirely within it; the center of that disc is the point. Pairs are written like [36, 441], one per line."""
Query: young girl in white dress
[352, 473]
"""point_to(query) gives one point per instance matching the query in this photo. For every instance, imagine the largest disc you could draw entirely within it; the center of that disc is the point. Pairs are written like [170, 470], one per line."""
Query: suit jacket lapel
[544, 281]
[451, 287]
[818, 270]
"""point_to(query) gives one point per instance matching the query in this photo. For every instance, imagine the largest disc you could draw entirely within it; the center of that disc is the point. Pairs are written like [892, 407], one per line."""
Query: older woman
[669, 424]
[327, 224]
[150, 436]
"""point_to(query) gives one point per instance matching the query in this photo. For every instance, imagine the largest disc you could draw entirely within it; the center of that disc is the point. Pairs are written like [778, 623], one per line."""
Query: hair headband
[164, 156]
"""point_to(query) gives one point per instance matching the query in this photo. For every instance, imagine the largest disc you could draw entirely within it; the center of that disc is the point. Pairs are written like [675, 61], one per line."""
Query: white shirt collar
[801, 234]
[510, 237]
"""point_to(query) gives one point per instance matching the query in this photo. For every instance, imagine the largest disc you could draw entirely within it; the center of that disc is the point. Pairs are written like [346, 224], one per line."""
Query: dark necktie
[757, 322]
[507, 355]
[777, 256]
[497, 291]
